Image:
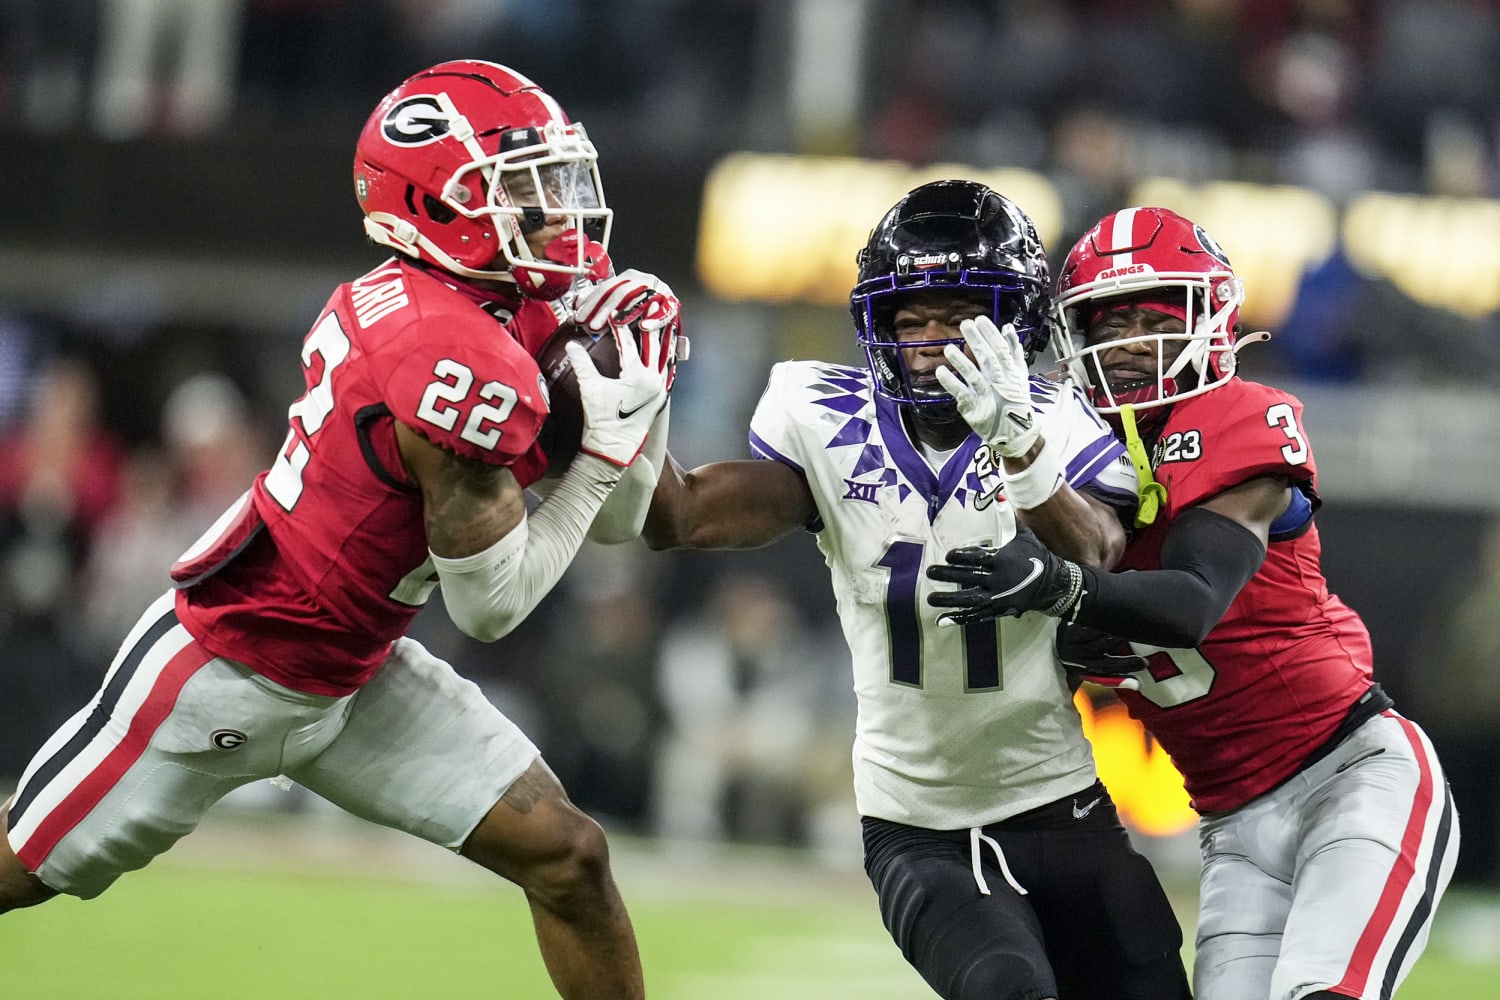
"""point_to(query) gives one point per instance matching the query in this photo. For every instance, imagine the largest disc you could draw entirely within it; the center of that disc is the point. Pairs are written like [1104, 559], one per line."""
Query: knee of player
[1003, 975]
[575, 872]
[18, 887]
[23, 894]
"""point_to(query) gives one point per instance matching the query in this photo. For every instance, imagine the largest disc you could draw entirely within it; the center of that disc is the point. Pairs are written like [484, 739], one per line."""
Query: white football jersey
[958, 726]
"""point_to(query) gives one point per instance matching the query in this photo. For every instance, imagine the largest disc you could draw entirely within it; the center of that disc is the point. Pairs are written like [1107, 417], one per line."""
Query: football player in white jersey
[283, 648]
[1001, 866]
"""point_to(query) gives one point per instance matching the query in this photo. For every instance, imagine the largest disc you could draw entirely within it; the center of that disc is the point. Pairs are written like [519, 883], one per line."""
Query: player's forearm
[491, 592]
[1076, 529]
[1206, 560]
[1065, 521]
[685, 513]
[662, 528]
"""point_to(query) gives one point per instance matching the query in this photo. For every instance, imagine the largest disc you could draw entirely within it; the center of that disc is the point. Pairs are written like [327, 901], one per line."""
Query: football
[563, 430]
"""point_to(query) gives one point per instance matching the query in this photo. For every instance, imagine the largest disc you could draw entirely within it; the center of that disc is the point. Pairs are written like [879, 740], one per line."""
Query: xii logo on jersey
[863, 492]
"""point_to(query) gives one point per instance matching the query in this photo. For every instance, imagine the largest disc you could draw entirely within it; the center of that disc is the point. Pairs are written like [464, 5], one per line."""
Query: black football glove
[1018, 577]
[1093, 655]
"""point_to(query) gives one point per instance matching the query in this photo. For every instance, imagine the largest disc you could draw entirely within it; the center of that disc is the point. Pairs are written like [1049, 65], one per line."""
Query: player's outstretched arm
[1209, 555]
[727, 505]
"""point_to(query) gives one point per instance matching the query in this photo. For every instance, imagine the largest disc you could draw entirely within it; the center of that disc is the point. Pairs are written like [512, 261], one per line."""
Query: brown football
[563, 429]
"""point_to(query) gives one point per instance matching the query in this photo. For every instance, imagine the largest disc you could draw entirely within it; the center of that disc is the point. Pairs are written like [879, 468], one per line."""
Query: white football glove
[617, 412]
[994, 397]
[642, 302]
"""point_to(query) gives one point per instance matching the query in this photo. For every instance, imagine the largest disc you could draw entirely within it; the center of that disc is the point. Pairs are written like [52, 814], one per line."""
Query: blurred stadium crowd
[1336, 95]
[706, 695]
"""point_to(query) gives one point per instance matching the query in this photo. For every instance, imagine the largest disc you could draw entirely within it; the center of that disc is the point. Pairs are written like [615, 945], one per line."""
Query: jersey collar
[937, 488]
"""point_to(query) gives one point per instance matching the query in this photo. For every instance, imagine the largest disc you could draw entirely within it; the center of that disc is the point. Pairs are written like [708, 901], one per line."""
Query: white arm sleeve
[624, 513]
[489, 593]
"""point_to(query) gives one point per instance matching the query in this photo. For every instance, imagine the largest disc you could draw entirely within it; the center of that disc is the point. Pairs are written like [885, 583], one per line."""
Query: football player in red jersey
[282, 651]
[1328, 833]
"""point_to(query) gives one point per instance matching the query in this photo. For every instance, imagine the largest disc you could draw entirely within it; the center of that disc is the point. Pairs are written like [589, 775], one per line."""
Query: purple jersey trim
[760, 448]
[1092, 460]
[938, 489]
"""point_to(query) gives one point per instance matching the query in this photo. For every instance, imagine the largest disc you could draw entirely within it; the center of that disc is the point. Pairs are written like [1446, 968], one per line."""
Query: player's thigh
[172, 730]
[1110, 928]
[964, 944]
[1242, 905]
[422, 750]
[1380, 843]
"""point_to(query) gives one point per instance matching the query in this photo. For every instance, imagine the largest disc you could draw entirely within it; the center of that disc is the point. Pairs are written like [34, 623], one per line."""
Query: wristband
[1069, 600]
[1034, 485]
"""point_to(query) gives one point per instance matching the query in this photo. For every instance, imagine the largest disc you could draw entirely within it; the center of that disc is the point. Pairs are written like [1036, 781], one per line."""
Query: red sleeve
[1233, 434]
[470, 389]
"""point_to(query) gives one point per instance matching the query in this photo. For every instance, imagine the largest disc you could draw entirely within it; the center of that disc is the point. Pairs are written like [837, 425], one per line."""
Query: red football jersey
[1277, 675]
[328, 564]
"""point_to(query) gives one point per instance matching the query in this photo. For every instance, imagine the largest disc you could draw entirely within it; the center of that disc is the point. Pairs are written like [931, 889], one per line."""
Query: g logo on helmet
[416, 121]
[227, 739]
[1212, 246]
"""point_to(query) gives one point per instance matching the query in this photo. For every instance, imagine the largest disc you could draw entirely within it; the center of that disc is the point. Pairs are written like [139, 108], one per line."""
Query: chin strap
[1153, 494]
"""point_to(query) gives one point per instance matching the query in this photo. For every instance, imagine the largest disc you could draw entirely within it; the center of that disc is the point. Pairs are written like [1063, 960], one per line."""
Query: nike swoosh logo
[1036, 571]
[623, 413]
[1081, 813]
[983, 500]
[1358, 760]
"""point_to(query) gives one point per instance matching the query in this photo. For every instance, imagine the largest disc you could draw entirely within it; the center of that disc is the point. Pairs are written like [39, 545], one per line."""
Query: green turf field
[340, 914]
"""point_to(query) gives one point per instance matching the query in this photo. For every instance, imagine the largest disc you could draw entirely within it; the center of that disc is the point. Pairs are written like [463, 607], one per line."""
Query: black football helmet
[956, 236]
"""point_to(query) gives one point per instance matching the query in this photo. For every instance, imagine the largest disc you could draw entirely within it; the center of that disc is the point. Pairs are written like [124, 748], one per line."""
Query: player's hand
[1093, 655]
[642, 303]
[994, 395]
[617, 412]
[1018, 577]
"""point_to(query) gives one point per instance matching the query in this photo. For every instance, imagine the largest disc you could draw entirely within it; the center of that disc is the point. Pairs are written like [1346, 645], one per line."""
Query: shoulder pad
[465, 385]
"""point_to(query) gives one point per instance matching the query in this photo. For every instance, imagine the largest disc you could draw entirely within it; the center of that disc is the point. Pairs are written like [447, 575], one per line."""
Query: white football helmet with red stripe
[461, 160]
[1167, 263]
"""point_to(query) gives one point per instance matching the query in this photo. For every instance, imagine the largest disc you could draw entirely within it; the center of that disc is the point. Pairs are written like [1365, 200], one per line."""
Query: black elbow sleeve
[1205, 561]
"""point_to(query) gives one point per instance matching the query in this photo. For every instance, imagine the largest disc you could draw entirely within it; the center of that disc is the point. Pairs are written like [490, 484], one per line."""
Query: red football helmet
[1166, 263]
[460, 161]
